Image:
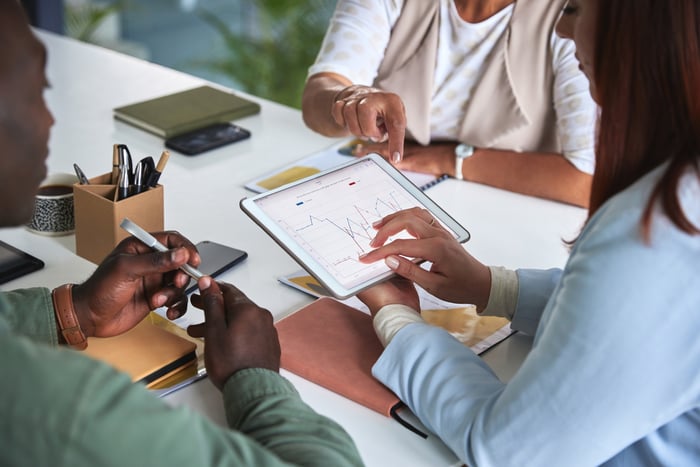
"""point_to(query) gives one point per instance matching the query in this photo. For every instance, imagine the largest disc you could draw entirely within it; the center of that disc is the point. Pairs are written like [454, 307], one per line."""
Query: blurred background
[263, 47]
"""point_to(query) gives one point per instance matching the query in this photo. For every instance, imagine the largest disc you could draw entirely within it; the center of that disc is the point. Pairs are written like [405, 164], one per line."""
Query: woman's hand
[436, 159]
[373, 115]
[454, 275]
[395, 291]
[238, 333]
[132, 281]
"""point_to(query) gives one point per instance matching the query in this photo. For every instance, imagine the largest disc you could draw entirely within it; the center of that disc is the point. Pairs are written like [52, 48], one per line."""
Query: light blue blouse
[613, 376]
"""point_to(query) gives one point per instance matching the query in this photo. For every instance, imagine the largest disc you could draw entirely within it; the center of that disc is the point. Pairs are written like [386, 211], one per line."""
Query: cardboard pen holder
[98, 215]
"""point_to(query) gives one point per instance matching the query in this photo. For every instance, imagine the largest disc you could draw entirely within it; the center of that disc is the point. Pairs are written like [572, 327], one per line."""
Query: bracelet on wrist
[462, 151]
[67, 319]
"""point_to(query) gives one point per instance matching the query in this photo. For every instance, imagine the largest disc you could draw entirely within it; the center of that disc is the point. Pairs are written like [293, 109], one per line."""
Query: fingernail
[396, 157]
[376, 224]
[392, 262]
[179, 255]
[373, 242]
[363, 255]
[204, 283]
[160, 300]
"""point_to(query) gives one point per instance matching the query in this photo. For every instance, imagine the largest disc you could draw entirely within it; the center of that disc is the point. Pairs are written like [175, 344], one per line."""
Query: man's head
[25, 121]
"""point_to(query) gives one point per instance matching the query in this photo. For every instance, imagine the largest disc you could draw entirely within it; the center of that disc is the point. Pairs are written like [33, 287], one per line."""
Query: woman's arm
[604, 371]
[544, 175]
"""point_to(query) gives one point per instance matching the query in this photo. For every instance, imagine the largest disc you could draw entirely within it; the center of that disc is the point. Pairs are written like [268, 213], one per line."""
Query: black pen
[125, 162]
[123, 183]
[139, 178]
[81, 175]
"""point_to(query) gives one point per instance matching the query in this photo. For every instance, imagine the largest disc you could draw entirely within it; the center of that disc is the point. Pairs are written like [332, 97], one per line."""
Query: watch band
[67, 319]
[462, 151]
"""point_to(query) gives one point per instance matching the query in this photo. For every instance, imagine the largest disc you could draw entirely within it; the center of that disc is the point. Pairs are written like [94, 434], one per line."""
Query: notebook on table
[148, 353]
[178, 113]
[334, 346]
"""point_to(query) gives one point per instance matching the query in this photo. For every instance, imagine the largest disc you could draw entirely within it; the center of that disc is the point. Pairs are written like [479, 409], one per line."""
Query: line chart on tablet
[332, 220]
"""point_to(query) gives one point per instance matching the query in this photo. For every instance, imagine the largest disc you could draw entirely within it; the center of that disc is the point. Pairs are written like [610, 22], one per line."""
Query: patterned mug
[53, 206]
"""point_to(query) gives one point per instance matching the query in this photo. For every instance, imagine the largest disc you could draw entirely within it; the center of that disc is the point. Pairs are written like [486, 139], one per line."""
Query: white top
[359, 32]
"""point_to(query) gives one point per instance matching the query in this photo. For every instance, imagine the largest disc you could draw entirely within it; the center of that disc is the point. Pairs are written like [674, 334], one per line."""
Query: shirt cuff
[503, 296]
[391, 319]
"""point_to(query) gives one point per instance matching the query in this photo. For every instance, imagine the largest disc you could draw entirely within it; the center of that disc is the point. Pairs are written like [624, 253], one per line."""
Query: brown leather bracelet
[67, 319]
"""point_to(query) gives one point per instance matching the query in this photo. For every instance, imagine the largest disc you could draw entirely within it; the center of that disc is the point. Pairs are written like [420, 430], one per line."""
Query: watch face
[464, 150]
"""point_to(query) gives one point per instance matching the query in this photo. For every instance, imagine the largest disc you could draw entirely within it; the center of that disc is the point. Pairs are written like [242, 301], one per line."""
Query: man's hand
[237, 333]
[132, 281]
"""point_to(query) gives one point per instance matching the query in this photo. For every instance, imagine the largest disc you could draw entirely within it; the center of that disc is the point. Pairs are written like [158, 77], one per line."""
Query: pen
[81, 175]
[125, 162]
[139, 179]
[152, 242]
[123, 183]
[115, 164]
[155, 175]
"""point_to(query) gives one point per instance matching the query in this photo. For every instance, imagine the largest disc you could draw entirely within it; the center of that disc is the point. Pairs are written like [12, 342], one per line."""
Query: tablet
[325, 221]
[15, 263]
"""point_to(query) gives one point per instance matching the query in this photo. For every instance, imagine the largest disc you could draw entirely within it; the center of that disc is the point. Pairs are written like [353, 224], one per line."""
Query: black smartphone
[207, 138]
[216, 258]
[15, 263]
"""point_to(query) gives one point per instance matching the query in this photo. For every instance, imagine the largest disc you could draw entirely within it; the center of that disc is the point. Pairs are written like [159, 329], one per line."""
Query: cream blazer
[512, 105]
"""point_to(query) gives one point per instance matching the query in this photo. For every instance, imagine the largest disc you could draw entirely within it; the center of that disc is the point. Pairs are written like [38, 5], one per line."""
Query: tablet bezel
[25, 263]
[248, 205]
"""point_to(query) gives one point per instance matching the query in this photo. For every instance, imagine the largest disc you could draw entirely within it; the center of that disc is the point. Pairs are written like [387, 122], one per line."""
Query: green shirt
[60, 408]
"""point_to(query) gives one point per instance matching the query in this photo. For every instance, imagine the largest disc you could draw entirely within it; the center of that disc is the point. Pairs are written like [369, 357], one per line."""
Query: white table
[201, 201]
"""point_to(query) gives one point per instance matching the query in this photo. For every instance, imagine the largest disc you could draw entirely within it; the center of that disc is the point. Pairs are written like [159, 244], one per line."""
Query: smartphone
[207, 138]
[15, 263]
[216, 258]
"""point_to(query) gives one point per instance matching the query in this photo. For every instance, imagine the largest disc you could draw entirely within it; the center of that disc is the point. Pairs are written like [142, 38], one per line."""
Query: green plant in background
[271, 55]
[83, 18]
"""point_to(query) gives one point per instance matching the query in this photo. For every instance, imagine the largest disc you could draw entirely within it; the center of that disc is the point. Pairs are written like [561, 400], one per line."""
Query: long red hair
[647, 75]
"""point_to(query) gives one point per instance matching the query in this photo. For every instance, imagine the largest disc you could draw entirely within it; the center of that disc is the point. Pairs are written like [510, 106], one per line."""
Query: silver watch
[462, 151]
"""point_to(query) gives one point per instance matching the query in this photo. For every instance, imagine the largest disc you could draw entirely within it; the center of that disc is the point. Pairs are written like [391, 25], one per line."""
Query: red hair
[647, 76]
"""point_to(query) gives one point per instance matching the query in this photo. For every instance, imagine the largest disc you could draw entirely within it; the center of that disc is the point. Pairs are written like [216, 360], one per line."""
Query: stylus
[151, 241]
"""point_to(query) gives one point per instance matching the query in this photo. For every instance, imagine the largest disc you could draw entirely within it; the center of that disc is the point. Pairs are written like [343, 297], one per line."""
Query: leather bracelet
[67, 319]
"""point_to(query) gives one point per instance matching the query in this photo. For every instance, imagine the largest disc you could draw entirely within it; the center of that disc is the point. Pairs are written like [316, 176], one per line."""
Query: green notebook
[185, 111]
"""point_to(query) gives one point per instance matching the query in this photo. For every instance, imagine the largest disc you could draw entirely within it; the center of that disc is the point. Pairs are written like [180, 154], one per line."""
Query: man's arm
[29, 313]
[85, 413]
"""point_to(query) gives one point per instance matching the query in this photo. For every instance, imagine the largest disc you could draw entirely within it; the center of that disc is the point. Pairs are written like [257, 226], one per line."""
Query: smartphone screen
[207, 138]
[216, 258]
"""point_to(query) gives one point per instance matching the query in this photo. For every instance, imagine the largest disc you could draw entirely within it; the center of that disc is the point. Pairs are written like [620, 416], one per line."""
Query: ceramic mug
[53, 206]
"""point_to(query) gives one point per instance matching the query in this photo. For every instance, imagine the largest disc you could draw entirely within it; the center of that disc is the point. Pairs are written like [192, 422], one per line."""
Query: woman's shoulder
[624, 211]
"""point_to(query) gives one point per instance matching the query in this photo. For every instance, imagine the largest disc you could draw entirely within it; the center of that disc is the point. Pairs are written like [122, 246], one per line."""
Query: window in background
[263, 47]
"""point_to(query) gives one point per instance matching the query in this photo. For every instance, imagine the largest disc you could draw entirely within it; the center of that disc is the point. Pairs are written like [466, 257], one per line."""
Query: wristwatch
[462, 151]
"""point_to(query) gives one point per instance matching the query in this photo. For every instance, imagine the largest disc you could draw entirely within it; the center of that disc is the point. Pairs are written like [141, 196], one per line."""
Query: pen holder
[98, 214]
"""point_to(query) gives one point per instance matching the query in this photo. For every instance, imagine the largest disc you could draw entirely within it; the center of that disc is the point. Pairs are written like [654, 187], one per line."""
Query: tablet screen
[329, 217]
